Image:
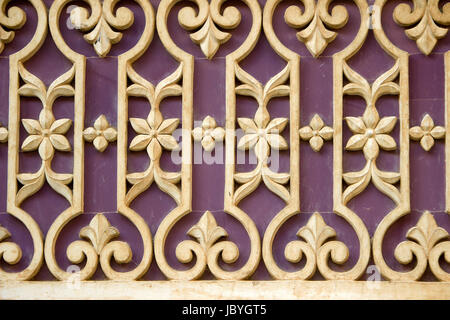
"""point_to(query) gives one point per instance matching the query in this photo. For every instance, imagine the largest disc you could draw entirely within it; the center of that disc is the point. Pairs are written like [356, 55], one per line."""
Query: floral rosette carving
[154, 135]
[205, 24]
[370, 134]
[314, 20]
[262, 134]
[426, 21]
[101, 23]
[45, 135]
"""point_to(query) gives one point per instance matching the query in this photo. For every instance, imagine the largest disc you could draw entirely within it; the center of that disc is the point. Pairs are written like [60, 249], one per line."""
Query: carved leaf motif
[32, 183]
[274, 182]
[141, 181]
[316, 231]
[357, 181]
[426, 232]
[59, 182]
[383, 85]
[206, 231]
[99, 232]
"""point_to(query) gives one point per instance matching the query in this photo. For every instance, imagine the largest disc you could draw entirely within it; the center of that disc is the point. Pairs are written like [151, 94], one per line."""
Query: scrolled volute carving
[207, 247]
[427, 242]
[316, 247]
[14, 19]
[98, 234]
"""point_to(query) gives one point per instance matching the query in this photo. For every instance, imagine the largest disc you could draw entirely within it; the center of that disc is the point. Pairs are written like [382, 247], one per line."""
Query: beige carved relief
[206, 246]
[100, 134]
[427, 132]
[315, 22]
[427, 22]
[100, 22]
[316, 133]
[208, 134]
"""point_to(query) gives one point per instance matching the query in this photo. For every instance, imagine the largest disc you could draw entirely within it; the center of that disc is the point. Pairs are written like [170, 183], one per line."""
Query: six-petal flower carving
[316, 132]
[100, 134]
[47, 134]
[154, 133]
[371, 133]
[260, 135]
[208, 133]
[427, 132]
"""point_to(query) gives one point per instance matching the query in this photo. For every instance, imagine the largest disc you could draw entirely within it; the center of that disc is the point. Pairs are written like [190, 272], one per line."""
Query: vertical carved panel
[9, 251]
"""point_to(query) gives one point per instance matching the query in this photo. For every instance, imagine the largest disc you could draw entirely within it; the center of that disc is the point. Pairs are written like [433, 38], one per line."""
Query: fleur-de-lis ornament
[101, 35]
[99, 232]
[423, 20]
[427, 132]
[209, 37]
[206, 231]
[316, 36]
[100, 134]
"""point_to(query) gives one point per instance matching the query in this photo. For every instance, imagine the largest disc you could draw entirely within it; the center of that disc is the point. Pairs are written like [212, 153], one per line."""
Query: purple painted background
[316, 89]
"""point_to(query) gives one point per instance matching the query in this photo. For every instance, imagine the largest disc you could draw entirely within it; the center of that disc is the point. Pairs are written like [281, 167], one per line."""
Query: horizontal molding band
[226, 290]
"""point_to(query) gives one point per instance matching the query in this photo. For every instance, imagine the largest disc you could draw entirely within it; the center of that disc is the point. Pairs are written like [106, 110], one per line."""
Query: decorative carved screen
[298, 144]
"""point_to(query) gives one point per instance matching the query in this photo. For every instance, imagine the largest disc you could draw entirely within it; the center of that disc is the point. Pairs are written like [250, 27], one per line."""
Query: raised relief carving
[427, 132]
[101, 134]
[14, 19]
[426, 240]
[316, 234]
[262, 134]
[3, 134]
[314, 20]
[100, 24]
[316, 133]
[9, 251]
[425, 20]
[153, 135]
[208, 36]
[98, 234]
[46, 135]
[370, 133]
[208, 134]
[207, 245]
